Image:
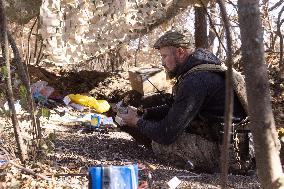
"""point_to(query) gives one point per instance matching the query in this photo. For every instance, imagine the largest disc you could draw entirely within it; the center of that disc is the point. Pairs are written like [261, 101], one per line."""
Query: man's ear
[181, 52]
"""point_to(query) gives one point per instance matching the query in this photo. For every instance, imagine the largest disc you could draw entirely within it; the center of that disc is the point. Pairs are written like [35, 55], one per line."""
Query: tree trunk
[201, 40]
[5, 52]
[260, 112]
[229, 97]
[212, 34]
[279, 24]
[23, 73]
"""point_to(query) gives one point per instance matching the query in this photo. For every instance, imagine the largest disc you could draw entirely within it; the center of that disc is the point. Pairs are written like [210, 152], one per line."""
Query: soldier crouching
[188, 129]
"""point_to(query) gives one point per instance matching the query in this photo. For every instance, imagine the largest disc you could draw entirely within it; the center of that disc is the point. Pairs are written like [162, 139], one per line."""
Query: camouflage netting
[77, 30]
[22, 11]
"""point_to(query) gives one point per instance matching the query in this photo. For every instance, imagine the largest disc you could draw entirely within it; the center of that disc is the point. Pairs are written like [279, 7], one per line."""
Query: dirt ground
[72, 149]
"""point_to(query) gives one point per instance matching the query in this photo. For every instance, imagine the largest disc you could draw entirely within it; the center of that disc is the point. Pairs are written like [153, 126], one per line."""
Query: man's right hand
[130, 118]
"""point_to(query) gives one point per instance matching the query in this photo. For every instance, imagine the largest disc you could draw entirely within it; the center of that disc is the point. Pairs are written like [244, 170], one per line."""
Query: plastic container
[114, 177]
[95, 121]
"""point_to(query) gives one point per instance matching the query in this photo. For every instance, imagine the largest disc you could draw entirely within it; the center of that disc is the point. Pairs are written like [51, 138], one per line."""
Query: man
[188, 131]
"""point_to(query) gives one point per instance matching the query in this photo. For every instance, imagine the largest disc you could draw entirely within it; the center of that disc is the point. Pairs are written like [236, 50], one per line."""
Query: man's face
[170, 60]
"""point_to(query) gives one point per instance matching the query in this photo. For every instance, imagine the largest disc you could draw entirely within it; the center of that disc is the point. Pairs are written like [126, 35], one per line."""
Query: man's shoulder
[204, 71]
[202, 79]
[205, 55]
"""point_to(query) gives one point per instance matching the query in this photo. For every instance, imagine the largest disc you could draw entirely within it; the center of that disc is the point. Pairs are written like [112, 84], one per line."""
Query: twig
[70, 175]
[29, 171]
[229, 97]
[279, 23]
[39, 53]
[36, 38]
[28, 58]
[233, 4]
[276, 5]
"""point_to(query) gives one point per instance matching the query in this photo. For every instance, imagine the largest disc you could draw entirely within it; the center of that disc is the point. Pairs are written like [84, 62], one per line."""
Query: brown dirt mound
[101, 85]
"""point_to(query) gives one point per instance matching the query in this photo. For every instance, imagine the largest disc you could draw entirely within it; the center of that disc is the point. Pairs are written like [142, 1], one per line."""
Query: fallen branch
[29, 171]
[70, 175]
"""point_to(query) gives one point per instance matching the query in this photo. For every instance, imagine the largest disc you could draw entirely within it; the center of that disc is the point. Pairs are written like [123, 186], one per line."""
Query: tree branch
[276, 5]
[28, 58]
[279, 23]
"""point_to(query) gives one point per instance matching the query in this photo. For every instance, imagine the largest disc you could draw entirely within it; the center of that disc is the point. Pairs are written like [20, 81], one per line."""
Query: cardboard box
[143, 79]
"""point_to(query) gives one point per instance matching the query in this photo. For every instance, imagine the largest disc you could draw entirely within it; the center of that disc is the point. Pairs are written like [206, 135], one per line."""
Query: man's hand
[131, 118]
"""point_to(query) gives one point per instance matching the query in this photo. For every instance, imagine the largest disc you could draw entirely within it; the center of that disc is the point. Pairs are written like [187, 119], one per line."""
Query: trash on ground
[66, 118]
[92, 120]
[77, 106]
[17, 105]
[67, 101]
[114, 177]
[42, 88]
[174, 182]
[98, 121]
[41, 91]
[100, 106]
[2, 162]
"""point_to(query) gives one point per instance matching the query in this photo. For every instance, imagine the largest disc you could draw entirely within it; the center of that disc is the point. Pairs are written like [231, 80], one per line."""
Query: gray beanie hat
[172, 38]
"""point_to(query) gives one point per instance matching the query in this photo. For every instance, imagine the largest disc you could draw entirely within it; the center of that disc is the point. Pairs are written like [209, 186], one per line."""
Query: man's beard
[173, 73]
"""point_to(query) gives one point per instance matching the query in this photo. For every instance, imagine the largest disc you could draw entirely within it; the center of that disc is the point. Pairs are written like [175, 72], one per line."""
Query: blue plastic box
[114, 177]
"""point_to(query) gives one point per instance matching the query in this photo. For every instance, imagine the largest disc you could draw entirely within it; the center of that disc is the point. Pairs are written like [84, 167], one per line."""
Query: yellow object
[280, 131]
[100, 106]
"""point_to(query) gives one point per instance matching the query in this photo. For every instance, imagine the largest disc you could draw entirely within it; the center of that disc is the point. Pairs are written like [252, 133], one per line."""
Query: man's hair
[173, 38]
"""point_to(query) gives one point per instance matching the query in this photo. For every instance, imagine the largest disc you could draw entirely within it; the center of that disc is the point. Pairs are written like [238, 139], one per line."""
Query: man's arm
[156, 113]
[189, 99]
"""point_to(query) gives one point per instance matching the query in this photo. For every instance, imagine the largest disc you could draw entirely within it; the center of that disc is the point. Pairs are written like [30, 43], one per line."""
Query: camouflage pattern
[173, 38]
[190, 151]
[196, 153]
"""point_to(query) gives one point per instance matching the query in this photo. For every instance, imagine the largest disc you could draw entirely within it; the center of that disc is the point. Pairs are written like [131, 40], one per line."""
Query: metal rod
[154, 86]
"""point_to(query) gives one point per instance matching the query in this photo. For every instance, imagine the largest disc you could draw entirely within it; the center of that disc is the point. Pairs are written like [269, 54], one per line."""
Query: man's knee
[190, 150]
